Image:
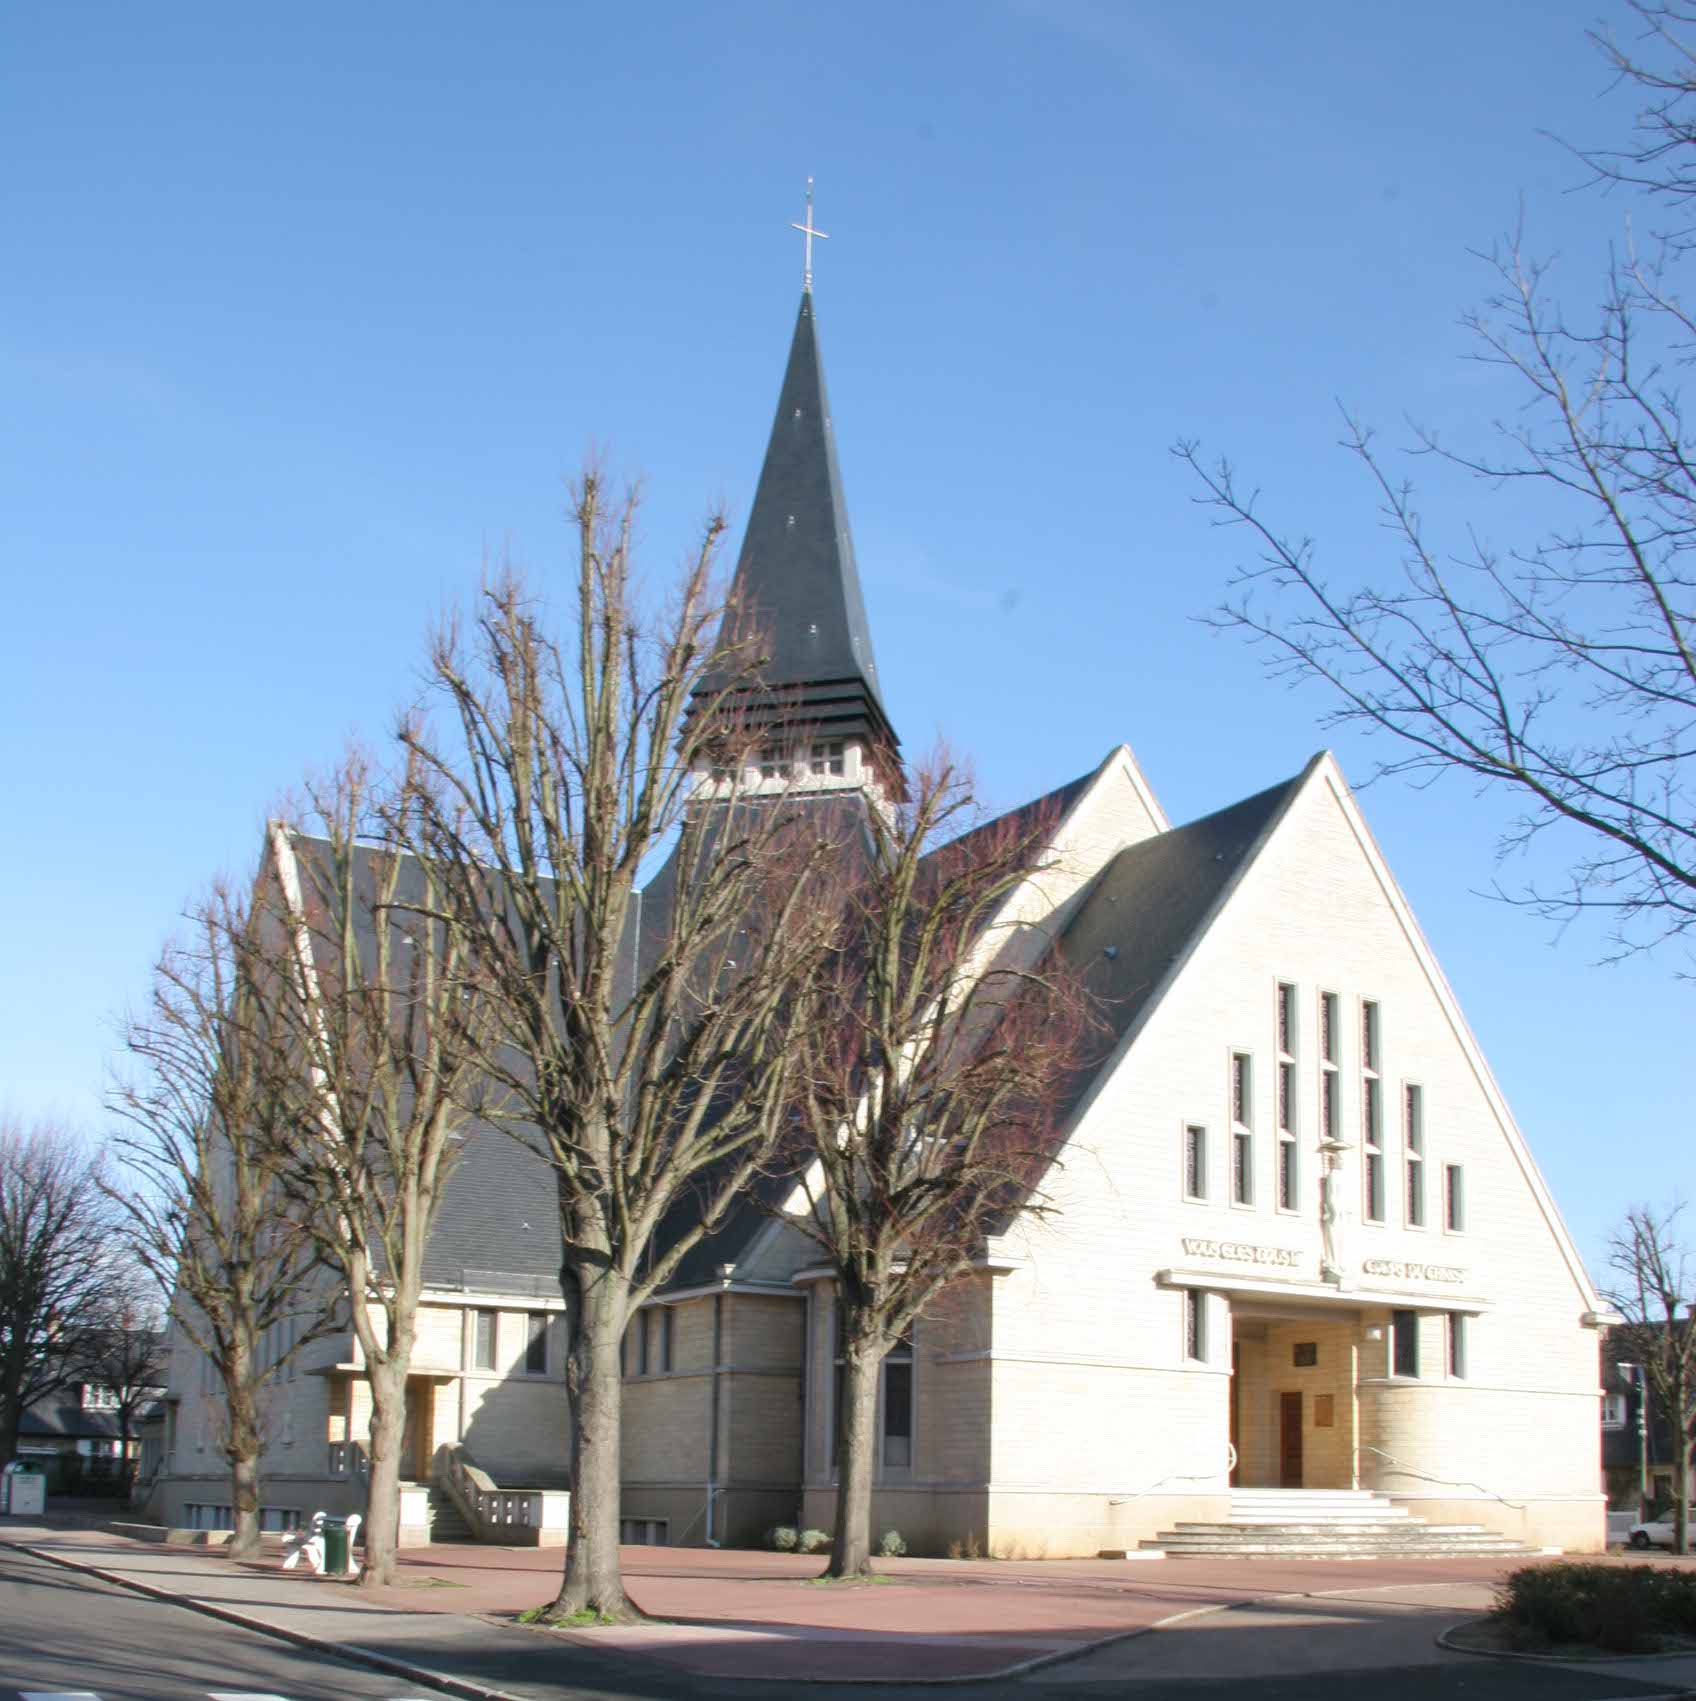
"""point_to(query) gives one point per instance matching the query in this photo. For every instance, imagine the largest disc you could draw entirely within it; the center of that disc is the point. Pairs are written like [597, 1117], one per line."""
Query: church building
[1296, 1240]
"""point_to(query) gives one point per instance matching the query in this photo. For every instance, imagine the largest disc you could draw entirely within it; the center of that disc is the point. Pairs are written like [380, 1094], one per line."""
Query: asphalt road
[72, 1638]
[62, 1634]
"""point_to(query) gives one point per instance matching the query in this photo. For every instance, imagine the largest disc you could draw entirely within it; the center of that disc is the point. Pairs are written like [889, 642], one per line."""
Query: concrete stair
[447, 1522]
[1295, 1523]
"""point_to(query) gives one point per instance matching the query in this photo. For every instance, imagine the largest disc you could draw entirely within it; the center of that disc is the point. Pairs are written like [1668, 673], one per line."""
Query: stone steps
[447, 1522]
[1392, 1531]
[1326, 1524]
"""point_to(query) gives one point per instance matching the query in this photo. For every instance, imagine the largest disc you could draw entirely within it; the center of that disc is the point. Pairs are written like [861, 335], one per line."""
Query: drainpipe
[725, 1271]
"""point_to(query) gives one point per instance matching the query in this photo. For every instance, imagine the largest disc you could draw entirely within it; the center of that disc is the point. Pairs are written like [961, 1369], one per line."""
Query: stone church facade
[1296, 1239]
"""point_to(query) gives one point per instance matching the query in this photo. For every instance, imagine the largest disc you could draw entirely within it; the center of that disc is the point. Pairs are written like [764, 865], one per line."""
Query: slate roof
[497, 1227]
[61, 1417]
[796, 580]
[1150, 905]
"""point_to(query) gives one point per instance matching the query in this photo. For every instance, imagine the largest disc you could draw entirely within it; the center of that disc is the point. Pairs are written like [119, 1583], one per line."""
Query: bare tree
[935, 1061]
[205, 1108]
[373, 980]
[57, 1268]
[647, 1046]
[1560, 670]
[1659, 160]
[1654, 1290]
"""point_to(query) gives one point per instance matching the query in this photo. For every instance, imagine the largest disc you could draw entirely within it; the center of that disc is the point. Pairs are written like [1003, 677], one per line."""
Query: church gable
[1192, 936]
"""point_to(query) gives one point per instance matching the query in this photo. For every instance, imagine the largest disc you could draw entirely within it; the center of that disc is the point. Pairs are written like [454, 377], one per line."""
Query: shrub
[892, 1546]
[784, 1538]
[1624, 1609]
[814, 1541]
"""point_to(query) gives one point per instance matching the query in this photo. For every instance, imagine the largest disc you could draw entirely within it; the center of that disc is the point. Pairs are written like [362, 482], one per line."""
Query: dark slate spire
[796, 581]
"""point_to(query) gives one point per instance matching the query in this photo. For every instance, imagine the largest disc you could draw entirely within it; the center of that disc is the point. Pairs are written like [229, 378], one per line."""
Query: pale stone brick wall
[1105, 1398]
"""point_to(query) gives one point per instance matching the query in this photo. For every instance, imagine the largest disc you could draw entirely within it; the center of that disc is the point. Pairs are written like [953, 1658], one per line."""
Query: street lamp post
[1636, 1370]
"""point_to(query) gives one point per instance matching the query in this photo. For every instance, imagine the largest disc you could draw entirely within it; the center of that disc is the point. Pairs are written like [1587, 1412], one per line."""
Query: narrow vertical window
[1454, 1198]
[1195, 1162]
[536, 1347]
[1242, 1129]
[483, 1341]
[1195, 1325]
[1404, 1340]
[1457, 1345]
[1288, 1175]
[1371, 1113]
[1329, 1105]
[667, 1330]
[1413, 1133]
[898, 1404]
[643, 1319]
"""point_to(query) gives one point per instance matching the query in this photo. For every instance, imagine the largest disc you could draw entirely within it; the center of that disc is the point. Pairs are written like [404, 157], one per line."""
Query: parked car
[1658, 1532]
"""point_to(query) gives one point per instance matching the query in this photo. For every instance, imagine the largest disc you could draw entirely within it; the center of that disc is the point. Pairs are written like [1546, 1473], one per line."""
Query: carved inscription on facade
[1400, 1270]
[1241, 1252]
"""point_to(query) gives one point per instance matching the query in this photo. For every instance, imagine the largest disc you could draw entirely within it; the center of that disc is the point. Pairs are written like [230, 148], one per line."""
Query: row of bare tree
[445, 944]
[74, 1308]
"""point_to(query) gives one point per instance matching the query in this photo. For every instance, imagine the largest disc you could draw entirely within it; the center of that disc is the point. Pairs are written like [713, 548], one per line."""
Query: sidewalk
[744, 1616]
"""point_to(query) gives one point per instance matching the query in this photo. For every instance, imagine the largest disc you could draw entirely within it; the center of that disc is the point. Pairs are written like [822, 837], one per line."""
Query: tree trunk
[856, 1461]
[11, 1417]
[382, 1502]
[243, 1454]
[594, 1580]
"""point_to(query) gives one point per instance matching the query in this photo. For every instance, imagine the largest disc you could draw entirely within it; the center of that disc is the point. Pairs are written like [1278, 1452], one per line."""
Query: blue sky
[307, 311]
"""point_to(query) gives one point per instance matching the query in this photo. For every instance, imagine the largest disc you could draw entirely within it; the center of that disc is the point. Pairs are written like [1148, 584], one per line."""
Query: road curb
[1580, 1661]
[585, 1639]
[298, 1638]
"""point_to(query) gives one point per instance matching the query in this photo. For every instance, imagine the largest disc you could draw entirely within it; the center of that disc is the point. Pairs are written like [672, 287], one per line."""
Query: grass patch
[829, 1582]
[1614, 1609]
[588, 1619]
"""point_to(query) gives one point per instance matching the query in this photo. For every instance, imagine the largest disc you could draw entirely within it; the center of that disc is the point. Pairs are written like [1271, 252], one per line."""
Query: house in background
[1632, 1452]
[78, 1432]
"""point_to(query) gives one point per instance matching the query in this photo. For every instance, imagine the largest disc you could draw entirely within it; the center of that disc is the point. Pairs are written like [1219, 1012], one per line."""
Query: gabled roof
[1146, 910]
[797, 583]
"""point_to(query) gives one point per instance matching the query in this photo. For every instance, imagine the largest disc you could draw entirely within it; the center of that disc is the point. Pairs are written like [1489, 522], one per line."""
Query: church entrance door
[1289, 1440]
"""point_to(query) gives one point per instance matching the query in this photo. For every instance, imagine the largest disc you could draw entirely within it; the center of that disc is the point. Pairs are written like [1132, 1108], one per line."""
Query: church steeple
[798, 586]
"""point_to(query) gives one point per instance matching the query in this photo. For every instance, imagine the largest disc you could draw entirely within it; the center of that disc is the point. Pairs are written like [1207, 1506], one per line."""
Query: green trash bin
[335, 1547]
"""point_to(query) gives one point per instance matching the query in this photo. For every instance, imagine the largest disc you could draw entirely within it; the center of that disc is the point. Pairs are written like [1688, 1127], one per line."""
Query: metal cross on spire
[807, 231]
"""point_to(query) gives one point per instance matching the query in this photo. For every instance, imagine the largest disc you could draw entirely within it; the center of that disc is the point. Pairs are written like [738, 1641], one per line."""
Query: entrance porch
[1295, 1412]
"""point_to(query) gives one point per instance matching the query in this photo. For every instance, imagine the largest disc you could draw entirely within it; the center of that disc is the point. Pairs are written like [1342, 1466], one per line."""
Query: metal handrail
[1406, 1470]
